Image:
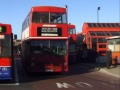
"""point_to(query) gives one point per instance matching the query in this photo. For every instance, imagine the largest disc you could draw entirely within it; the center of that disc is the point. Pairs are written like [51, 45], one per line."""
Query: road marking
[64, 85]
[102, 83]
[82, 84]
[104, 71]
[16, 78]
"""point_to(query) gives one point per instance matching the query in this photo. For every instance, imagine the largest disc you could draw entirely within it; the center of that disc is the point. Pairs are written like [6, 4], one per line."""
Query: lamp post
[66, 11]
[119, 11]
[98, 14]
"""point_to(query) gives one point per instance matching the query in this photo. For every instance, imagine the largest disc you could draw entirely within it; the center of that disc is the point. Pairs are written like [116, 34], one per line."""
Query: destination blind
[49, 31]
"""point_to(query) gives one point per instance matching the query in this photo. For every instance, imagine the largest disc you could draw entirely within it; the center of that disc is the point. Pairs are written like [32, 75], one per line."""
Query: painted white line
[83, 84]
[16, 78]
[64, 85]
[102, 83]
[14, 84]
[104, 71]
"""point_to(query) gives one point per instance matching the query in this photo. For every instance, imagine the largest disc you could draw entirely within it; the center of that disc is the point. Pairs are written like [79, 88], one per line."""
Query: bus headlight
[4, 69]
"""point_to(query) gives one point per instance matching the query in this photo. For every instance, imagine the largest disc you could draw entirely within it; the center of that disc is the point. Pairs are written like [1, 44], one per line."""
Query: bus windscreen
[53, 47]
[2, 29]
[5, 46]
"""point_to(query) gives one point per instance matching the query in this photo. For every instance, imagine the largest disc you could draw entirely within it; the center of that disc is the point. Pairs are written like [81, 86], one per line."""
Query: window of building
[94, 25]
[115, 33]
[101, 40]
[108, 24]
[100, 33]
[92, 33]
[117, 47]
[117, 41]
[111, 47]
[94, 39]
[99, 24]
[111, 42]
[107, 33]
[103, 24]
[102, 46]
[90, 24]
[113, 24]
[114, 45]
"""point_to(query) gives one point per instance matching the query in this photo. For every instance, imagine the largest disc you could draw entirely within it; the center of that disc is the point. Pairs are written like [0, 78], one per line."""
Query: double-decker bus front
[6, 56]
[45, 50]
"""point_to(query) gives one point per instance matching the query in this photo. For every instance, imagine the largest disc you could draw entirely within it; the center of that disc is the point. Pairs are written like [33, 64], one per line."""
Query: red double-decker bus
[6, 52]
[72, 43]
[44, 43]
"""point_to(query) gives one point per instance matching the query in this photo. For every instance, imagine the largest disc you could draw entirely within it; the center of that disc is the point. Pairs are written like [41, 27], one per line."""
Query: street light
[67, 11]
[98, 14]
[119, 11]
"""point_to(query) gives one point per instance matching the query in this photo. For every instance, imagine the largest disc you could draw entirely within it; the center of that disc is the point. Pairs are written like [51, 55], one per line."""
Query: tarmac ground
[113, 71]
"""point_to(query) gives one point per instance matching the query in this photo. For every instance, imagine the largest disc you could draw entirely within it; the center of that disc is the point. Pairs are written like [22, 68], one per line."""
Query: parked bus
[72, 43]
[6, 52]
[44, 44]
[114, 46]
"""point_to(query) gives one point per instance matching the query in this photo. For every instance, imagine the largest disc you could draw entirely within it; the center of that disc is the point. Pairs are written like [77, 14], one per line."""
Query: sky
[79, 11]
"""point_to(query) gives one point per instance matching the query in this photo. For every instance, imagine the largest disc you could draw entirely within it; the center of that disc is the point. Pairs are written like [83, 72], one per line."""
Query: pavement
[113, 71]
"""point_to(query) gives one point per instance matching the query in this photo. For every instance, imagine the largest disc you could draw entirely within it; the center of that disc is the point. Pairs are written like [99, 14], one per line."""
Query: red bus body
[72, 43]
[44, 41]
[6, 53]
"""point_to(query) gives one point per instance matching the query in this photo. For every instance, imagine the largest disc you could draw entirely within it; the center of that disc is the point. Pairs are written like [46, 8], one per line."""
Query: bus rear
[6, 56]
[45, 48]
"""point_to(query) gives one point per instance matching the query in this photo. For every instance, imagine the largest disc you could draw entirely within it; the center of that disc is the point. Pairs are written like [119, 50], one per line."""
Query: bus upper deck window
[40, 17]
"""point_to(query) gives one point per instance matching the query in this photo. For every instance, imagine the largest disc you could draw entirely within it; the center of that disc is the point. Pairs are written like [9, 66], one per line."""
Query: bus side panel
[5, 69]
[5, 73]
